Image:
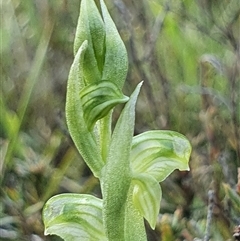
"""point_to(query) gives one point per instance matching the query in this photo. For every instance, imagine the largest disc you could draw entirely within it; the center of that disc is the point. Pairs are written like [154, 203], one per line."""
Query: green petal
[116, 58]
[90, 27]
[159, 153]
[146, 197]
[74, 217]
[98, 99]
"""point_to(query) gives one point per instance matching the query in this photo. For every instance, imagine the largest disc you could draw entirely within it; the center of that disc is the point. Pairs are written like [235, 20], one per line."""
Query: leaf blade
[134, 223]
[74, 216]
[87, 146]
[116, 176]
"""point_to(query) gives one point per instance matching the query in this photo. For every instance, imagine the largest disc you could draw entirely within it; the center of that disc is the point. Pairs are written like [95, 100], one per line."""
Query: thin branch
[209, 215]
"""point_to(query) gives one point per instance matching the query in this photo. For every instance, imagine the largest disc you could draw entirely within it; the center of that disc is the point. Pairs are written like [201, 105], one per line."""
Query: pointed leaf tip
[116, 58]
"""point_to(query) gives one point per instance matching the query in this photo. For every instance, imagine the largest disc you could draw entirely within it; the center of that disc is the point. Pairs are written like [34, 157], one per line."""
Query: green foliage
[75, 118]
[74, 216]
[116, 175]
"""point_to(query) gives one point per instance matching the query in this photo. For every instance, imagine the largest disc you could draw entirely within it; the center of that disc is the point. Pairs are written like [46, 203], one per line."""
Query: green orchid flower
[129, 167]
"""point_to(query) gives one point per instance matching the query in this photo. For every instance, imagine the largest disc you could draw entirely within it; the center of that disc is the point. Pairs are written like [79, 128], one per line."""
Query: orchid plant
[129, 167]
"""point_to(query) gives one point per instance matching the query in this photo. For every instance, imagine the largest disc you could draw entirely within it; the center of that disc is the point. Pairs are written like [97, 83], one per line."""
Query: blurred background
[188, 54]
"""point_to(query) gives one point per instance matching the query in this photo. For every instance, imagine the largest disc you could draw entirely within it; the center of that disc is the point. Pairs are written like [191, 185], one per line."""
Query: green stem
[134, 224]
[105, 134]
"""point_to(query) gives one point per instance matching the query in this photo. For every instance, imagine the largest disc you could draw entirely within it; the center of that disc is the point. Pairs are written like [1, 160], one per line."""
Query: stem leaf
[84, 140]
[116, 176]
[74, 217]
[134, 223]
